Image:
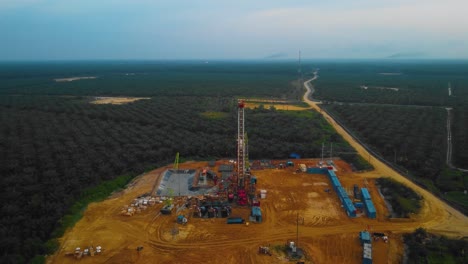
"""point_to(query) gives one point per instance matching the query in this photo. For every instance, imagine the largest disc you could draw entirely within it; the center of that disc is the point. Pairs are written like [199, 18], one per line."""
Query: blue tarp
[294, 156]
[365, 194]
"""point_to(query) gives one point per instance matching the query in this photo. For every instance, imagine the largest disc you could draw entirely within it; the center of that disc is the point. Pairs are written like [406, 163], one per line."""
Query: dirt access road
[436, 215]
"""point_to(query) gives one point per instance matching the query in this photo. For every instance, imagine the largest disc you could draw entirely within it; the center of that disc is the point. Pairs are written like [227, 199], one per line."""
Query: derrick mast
[240, 144]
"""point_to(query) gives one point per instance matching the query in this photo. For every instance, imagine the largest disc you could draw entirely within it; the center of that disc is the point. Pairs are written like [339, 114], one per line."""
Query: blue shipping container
[350, 209]
[359, 205]
[370, 209]
[365, 237]
[365, 194]
[335, 182]
[342, 193]
[235, 220]
[316, 170]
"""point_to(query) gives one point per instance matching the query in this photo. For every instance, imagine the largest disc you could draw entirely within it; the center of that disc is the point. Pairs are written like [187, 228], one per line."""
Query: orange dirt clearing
[277, 106]
[117, 100]
[326, 233]
[72, 79]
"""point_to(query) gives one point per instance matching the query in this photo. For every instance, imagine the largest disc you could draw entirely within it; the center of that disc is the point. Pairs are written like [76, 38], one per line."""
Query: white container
[263, 194]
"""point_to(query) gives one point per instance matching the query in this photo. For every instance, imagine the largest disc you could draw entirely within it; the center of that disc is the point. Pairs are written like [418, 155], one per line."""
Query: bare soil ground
[117, 100]
[71, 79]
[326, 233]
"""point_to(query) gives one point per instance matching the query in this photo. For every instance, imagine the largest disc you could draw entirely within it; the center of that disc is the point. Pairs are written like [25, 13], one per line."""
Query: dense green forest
[460, 136]
[423, 247]
[411, 137]
[153, 78]
[54, 147]
[415, 82]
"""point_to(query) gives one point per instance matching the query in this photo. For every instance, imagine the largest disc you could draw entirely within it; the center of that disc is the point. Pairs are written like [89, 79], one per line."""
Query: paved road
[436, 215]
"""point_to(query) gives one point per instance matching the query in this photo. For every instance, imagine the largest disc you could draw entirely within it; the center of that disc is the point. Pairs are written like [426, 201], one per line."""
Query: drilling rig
[241, 155]
[240, 145]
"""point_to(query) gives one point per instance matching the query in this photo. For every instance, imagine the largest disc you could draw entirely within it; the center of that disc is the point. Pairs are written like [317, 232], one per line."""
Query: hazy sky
[237, 29]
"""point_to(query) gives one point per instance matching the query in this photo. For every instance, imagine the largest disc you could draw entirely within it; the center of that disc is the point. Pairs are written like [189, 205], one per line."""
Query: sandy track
[436, 215]
[117, 100]
[286, 107]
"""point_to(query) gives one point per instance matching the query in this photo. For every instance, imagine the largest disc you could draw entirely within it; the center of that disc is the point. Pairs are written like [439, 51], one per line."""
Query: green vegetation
[57, 151]
[411, 137]
[458, 197]
[89, 195]
[279, 248]
[460, 136]
[424, 247]
[214, 115]
[404, 201]
[452, 180]
[153, 78]
[418, 83]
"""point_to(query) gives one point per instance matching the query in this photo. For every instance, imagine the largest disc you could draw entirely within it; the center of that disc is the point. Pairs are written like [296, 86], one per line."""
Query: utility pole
[323, 146]
[297, 230]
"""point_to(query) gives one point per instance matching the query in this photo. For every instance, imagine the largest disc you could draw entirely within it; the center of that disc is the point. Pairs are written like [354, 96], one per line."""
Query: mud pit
[326, 233]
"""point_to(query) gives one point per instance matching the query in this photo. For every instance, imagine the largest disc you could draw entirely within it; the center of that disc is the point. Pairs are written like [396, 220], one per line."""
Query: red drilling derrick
[240, 144]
